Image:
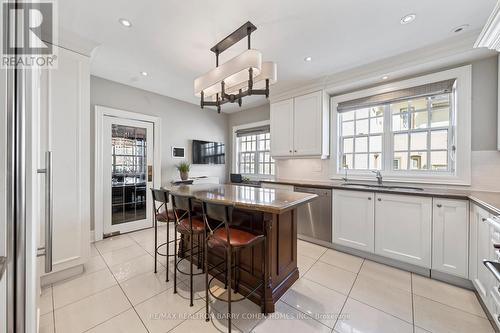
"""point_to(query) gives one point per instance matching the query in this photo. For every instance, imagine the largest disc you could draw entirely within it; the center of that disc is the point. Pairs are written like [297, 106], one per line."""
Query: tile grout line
[53, 306]
[349, 293]
[412, 303]
[125, 294]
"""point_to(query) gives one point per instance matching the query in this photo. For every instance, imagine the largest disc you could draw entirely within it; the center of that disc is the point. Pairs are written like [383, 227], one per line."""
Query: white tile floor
[336, 292]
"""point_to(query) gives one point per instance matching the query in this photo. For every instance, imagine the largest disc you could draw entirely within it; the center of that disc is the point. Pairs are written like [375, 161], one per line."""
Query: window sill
[444, 180]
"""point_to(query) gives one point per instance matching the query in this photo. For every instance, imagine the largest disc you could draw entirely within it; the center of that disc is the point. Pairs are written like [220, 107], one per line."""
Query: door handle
[47, 249]
[3, 266]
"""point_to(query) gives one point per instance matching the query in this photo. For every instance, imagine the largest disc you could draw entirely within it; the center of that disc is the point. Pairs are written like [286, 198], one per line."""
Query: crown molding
[490, 36]
[452, 52]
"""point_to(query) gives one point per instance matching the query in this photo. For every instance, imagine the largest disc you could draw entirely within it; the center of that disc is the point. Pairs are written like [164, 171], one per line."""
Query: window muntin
[418, 132]
[421, 129]
[254, 154]
[361, 138]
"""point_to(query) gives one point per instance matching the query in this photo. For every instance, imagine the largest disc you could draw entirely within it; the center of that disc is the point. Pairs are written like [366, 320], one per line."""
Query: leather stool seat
[197, 221]
[237, 237]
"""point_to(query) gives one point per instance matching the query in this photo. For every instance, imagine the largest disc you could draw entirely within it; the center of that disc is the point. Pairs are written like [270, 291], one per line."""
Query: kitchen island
[269, 212]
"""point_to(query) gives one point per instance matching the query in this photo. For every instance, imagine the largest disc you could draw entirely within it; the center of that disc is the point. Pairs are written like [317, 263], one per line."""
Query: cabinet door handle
[379, 199]
[439, 205]
[484, 219]
[369, 198]
[290, 151]
[295, 151]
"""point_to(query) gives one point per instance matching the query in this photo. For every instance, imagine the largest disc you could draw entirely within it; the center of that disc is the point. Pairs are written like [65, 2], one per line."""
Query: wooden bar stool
[219, 232]
[188, 224]
[162, 214]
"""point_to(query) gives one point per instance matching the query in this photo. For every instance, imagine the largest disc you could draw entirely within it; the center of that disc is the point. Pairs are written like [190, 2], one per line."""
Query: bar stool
[219, 232]
[162, 214]
[188, 224]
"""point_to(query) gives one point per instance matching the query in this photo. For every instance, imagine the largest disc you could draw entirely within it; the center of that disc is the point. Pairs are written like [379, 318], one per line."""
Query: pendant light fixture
[243, 75]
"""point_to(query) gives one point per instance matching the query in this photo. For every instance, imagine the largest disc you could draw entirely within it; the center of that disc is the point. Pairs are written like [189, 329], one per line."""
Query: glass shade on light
[233, 72]
[269, 71]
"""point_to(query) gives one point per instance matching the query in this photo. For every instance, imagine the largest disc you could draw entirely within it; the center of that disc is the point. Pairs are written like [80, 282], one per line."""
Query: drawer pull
[439, 205]
[493, 267]
[369, 198]
[379, 199]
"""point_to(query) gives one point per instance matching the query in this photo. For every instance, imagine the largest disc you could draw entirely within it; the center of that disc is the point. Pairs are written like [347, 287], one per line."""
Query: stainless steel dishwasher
[314, 220]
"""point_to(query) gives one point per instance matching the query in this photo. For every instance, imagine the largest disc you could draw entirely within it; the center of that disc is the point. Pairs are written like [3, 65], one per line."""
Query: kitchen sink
[383, 187]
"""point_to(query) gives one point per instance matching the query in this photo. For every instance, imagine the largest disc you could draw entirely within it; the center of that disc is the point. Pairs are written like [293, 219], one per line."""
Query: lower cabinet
[354, 222]
[450, 229]
[481, 246]
[403, 228]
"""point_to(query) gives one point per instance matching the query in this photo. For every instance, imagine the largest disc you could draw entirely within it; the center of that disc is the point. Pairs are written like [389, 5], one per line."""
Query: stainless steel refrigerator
[19, 220]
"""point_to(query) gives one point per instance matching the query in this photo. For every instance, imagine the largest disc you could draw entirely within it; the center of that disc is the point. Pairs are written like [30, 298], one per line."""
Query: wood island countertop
[245, 197]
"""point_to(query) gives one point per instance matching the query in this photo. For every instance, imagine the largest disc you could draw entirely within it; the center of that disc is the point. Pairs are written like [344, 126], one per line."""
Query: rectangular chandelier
[243, 75]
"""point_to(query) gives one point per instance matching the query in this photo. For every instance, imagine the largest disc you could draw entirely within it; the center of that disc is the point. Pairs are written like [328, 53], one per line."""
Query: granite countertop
[245, 197]
[488, 200]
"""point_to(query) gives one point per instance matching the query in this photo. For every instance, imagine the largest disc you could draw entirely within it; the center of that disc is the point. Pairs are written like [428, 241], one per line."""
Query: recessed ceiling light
[460, 28]
[385, 77]
[308, 59]
[126, 23]
[408, 18]
[144, 73]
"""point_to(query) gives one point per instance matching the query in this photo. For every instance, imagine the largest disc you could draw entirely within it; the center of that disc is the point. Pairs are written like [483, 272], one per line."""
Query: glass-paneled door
[128, 164]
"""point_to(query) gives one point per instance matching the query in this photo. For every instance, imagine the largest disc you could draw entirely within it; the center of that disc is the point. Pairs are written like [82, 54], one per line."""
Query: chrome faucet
[379, 176]
[345, 179]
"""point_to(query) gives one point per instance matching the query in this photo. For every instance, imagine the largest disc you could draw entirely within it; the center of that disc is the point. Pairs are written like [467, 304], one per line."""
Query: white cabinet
[403, 228]
[64, 129]
[308, 122]
[480, 250]
[300, 127]
[282, 128]
[450, 231]
[353, 216]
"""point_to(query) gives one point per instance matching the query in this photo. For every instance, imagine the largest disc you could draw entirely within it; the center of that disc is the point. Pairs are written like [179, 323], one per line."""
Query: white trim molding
[490, 35]
[234, 157]
[462, 173]
[100, 113]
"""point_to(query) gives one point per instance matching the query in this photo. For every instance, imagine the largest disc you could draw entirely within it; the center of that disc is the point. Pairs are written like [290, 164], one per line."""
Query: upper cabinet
[282, 128]
[300, 127]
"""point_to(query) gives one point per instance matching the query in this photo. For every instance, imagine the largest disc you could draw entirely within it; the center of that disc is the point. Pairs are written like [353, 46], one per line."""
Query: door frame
[100, 113]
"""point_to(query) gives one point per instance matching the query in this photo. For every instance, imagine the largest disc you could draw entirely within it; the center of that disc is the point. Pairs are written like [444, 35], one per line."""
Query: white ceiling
[171, 39]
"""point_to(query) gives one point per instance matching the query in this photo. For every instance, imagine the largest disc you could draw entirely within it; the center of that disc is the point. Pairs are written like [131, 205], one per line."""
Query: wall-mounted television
[206, 152]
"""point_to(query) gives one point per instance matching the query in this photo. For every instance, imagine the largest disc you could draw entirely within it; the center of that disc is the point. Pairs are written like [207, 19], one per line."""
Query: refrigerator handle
[47, 249]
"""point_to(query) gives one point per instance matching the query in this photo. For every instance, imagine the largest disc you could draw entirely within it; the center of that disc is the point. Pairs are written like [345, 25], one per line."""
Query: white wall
[485, 157]
[181, 122]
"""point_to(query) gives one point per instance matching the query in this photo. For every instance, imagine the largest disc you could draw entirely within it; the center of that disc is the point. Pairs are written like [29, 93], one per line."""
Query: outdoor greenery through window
[415, 134]
[254, 155]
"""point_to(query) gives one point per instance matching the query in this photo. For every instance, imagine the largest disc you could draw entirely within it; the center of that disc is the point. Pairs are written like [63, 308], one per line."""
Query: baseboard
[61, 275]
[452, 279]
[433, 274]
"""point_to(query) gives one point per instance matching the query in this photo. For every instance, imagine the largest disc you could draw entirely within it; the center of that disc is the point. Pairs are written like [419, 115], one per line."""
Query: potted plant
[183, 168]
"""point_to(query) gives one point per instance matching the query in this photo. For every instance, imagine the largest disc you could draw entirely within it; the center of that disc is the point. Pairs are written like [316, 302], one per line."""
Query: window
[362, 131]
[253, 152]
[420, 134]
[412, 130]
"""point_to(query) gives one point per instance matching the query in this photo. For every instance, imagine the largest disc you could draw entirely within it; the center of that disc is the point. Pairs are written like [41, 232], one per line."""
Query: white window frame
[462, 172]
[235, 155]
